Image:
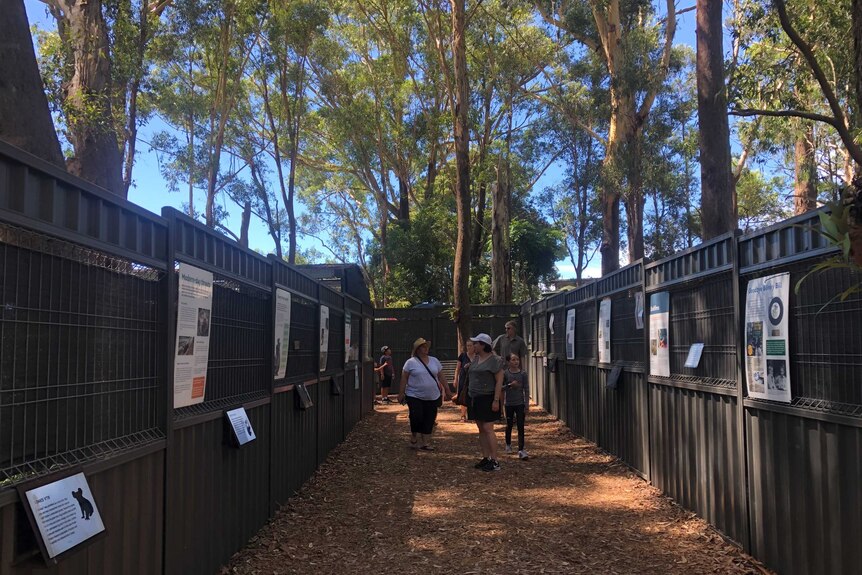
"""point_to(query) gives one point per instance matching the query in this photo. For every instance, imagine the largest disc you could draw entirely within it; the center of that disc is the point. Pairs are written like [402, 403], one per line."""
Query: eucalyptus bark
[87, 94]
[718, 194]
[463, 313]
[501, 270]
[25, 120]
[804, 174]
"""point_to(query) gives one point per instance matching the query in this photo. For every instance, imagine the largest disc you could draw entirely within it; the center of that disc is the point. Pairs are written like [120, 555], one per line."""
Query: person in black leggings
[517, 402]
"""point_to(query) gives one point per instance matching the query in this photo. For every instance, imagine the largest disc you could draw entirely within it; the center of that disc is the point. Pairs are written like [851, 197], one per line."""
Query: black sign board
[614, 377]
[303, 398]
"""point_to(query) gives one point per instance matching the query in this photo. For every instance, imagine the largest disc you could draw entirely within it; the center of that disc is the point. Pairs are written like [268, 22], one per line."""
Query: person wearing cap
[386, 369]
[423, 387]
[485, 389]
[510, 342]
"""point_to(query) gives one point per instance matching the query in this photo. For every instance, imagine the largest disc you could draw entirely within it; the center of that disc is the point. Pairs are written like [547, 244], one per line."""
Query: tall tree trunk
[431, 177]
[501, 266]
[88, 94]
[25, 120]
[243, 228]
[805, 173]
[131, 136]
[718, 195]
[614, 168]
[461, 304]
[403, 199]
[634, 201]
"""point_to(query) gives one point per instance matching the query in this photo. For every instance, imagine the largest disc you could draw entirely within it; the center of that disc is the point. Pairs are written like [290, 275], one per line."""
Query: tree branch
[749, 112]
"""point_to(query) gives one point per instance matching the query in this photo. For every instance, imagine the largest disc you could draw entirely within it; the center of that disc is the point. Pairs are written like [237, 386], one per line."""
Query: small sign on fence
[694, 353]
[63, 513]
[240, 426]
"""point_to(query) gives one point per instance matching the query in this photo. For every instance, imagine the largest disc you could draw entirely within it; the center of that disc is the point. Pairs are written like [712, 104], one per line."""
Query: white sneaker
[523, 454]
[508, 449]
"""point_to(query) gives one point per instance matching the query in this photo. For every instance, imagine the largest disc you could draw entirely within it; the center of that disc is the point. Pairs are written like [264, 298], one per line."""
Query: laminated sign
[194, 313]
[605, 331]
[767, 356]
[281, 336]
[324, 336]
[659, 343]
[570, 334]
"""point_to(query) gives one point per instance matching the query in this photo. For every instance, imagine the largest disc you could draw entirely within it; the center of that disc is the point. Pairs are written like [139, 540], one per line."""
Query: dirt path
[377, 506]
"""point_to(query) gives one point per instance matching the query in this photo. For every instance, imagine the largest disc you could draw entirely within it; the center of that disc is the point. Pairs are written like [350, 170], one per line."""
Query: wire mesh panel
[302, 347]
[335, 354]
[81, 373]
[239, 367]
[586, 334]
[627, 341]
[702, 312]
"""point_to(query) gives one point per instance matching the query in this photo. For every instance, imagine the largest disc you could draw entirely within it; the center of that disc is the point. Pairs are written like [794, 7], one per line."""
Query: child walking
[517, 402]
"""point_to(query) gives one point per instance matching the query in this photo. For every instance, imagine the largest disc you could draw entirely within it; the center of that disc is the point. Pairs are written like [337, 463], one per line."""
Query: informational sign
[64, 513]
[303, 398]
[348, 349]
[551, 323]
[324, 336]
[570, 334]
[767, 359]
[694, 353]
[639, 310]
[194, 313]
[356, 377]
[240, 426]
[366, 340]
[605, 331]
[659, 344]
[281, 337]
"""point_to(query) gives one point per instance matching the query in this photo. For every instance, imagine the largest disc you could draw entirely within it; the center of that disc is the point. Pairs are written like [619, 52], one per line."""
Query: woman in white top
[423, 386]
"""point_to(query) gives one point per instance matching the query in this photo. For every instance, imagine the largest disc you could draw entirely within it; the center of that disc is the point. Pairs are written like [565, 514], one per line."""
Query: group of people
[488, 381]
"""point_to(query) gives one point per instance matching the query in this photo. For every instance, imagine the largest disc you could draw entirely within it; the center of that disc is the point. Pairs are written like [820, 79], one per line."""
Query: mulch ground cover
[377, 506]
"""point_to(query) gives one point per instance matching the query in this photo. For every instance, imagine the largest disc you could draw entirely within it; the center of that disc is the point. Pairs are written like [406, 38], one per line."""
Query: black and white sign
[694, 353]
[240, 425]
[64, 514]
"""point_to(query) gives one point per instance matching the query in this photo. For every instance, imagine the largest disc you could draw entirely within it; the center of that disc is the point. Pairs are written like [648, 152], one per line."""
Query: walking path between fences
[377, 506]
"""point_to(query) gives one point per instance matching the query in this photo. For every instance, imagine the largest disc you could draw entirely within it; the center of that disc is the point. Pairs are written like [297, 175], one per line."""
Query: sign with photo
[348, 349]
[192, 345]
[570, 334]
[767, 356]
[324, 336]
[281, 337]
[240, 426]
[64, 514]
[605, 331]
[659, 338]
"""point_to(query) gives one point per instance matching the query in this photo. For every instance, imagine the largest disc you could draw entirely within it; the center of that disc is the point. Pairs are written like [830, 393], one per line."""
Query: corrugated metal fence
[781, 479]
[88, 307]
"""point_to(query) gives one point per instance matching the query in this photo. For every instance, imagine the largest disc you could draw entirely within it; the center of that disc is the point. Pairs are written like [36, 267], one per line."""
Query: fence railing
[88, 314]
[780, 478]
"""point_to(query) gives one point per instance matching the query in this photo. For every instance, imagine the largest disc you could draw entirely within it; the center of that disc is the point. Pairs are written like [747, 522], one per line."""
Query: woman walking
[485, 387]
[517, 402]
[423, 386]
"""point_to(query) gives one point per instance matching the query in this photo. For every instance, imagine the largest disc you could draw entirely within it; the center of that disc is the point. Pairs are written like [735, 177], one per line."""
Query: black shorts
[479, 409]
[386, 381]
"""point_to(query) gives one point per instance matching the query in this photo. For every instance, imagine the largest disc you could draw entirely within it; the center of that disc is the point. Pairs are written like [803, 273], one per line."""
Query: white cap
[483, 337]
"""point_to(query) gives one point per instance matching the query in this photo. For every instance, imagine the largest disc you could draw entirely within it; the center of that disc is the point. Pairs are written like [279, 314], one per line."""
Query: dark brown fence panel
[294, 438]
[805, 492]
[129, 495]
[539, 348]
[803, 458]
[219, 493]
[330, 415]
[623, 421]
[556, 357]
[693, 438]
[335, 356]
[302, 356]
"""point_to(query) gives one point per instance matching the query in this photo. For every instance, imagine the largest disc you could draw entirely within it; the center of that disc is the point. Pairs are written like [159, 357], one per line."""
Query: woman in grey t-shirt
[485, 388]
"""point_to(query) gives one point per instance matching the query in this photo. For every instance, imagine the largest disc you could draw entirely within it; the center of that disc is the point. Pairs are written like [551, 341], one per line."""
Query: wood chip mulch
[377, 506]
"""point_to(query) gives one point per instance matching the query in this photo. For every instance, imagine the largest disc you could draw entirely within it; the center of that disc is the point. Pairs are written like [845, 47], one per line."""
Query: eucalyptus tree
[95, 68]
[635, 46]
[25, 120]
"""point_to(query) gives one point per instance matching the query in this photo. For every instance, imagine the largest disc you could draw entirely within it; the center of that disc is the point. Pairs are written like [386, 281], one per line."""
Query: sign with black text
[192, 345]
[240, 426]
[64, 514]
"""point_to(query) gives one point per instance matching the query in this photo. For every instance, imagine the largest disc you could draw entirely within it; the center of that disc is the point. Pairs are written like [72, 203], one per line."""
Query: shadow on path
[377, 506]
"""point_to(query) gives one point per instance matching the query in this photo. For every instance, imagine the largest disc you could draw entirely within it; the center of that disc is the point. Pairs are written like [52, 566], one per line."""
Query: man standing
[387, 372]
[510, 342]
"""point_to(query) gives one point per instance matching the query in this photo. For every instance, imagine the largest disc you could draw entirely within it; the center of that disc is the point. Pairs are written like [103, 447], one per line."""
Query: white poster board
[241, 426]
[767, 356]
[65, 513]
[281, 335]
[694, 354]
[605, 331]
[570, 334]
[192, 345]
[551, 323]
[348, 349]
[324, 336]
[659, 334]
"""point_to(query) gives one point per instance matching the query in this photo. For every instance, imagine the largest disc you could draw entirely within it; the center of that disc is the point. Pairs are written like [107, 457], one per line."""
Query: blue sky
[151, 191]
